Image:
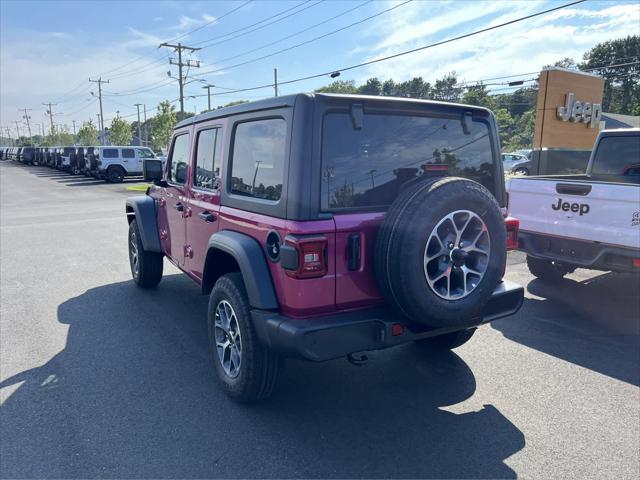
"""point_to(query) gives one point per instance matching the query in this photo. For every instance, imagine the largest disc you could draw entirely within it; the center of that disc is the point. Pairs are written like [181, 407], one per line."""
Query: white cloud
[185, 22]
[518, 48]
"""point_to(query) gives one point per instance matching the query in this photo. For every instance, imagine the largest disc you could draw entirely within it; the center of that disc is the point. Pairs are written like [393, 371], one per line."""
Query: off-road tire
[149, 269]
[547, 270]
[448, 341]
[401, 243]
[259, 367]
[115, 174]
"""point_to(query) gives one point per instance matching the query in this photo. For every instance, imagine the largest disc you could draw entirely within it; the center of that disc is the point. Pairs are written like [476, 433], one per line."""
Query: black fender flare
[250, 257]
[143, 208]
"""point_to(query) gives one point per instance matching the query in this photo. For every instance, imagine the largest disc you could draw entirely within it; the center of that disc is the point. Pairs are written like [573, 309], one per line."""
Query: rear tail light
[99, 162]
[311, 254]
[512, 224]
[636, 262]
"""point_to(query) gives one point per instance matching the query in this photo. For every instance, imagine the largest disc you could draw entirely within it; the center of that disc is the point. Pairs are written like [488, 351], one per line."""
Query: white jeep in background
[114, 163]
[583, 221]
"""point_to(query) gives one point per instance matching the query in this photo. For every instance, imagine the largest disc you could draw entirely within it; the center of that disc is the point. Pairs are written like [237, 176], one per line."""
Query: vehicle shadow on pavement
[132, 394]
[593, 323]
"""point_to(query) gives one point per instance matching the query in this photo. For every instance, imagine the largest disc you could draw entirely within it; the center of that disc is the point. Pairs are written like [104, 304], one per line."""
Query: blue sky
[48, 49]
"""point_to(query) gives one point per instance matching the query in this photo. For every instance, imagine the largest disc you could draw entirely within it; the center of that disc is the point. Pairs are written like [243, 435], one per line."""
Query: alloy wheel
[456, 255]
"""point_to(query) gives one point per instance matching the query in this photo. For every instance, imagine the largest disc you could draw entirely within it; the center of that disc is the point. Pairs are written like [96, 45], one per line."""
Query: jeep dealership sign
[579, 112]
[568, 111]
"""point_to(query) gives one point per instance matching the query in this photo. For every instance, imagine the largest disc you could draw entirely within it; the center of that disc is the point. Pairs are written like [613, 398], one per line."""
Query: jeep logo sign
[583, 208]
[579, 112]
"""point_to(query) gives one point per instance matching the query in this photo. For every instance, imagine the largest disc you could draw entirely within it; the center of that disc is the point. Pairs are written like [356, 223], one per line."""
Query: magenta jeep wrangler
[322, 226]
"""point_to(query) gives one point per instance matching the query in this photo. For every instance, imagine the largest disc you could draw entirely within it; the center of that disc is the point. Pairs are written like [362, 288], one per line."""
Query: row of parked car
[110, 163]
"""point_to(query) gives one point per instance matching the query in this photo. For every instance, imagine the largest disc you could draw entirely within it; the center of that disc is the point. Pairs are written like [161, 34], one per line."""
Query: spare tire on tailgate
[441, 251]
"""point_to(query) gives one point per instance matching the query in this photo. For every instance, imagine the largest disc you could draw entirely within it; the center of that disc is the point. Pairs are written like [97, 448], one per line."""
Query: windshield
[368, 167]
[617, 155]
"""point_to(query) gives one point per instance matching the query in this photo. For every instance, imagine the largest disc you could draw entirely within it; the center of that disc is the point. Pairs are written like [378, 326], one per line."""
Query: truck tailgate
[596, 211]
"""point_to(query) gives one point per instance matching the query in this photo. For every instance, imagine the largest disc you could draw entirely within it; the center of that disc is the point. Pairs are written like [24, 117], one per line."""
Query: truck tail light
[311, 255]
[513, 225]
[99, 162]
[636, 262]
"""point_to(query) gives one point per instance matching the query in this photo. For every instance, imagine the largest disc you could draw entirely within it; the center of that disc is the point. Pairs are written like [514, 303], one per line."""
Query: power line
[141, 57]
[296, 33]
[211, 41]
[215, 20]
[305, 42]
[406, 52]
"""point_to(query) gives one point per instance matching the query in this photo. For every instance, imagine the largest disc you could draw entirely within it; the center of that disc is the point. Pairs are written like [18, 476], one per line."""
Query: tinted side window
[369, 167]
[208, 148]
[616, 155]
[179, 159]
[259, 150]
[128, 153]
[144, 153]
[110, 153]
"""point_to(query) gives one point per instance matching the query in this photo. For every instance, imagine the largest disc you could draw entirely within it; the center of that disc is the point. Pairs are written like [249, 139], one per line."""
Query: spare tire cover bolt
[460, 245]
[451, 245]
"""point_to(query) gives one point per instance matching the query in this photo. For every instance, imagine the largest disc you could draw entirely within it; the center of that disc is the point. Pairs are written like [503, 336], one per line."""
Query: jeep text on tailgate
[325, 225]
[586, 221]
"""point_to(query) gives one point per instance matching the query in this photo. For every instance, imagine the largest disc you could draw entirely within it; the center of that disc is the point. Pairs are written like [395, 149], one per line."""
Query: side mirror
[152, 170]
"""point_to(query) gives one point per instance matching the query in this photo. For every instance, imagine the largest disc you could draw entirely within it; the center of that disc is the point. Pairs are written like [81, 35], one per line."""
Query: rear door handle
[207, 216]
[179, 207]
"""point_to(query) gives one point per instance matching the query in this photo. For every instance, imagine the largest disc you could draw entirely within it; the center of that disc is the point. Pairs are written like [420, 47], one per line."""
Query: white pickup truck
[583, 221]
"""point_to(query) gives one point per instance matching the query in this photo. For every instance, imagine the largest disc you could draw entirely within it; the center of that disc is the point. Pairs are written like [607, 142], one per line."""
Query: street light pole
[275, 80]
[137, 105]
[100, 82]
[146, 127]
[27, 117]
[208, 87]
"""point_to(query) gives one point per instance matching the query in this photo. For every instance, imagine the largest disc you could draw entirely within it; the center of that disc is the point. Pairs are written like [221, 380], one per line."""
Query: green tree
[339, 86]
[120, 132]
[372, 86]
[617, 62]
[447, 88]
[479, 95]
[162, 125]
[231, 104]
[88, 134]
[65, 137]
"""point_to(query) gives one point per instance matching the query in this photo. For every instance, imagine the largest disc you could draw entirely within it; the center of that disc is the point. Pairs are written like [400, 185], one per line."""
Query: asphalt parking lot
[101, 379]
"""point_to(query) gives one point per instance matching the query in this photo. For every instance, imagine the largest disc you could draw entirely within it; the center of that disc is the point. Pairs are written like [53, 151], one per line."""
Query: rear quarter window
[110, 153]
[257, 165]
[368, 167]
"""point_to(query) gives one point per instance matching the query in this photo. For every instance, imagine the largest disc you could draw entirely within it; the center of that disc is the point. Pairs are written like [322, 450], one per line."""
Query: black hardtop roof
[290, 100]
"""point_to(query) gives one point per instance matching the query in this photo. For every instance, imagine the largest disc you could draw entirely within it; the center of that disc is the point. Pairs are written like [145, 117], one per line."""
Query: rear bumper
[334, 336]
[579, 253]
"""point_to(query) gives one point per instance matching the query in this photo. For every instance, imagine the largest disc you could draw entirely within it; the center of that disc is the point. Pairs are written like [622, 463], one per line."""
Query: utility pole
[99, 81]
[275, 80]
[17, 129]
[74, 127]
[146, 129]
[137, 105]
[27, 117]
[208, 87]
[189, 63]
[99, 126]
[50, 113]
